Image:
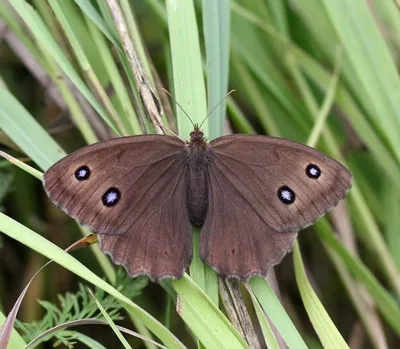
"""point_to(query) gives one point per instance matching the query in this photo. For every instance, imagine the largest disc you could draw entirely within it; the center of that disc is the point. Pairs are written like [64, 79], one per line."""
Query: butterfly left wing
[132, 191]
[263, 191]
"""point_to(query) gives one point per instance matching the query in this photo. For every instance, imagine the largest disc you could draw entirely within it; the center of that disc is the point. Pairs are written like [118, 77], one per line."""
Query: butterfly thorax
[197, 190]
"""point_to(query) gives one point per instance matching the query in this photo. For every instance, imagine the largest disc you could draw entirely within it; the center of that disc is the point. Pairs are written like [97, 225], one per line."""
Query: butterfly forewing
[270, 173]
[132, 191]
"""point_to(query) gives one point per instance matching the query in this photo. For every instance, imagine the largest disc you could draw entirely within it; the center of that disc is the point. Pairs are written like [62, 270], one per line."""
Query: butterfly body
[198, 178]
[250, 195]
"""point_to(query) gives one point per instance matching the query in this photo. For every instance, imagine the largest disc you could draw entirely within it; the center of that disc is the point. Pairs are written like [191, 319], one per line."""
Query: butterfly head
[197, 137]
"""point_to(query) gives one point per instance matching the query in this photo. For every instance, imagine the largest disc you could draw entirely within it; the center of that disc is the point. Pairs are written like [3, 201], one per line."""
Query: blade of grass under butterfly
[208, 323]
[186, 63]
[216, 19]
[36, 242]
[216, 27]
[150, 344]
[189, 90]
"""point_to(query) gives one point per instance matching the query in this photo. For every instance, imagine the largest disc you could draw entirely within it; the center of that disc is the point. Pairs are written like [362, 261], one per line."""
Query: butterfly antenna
[173, 98]
[231, 91]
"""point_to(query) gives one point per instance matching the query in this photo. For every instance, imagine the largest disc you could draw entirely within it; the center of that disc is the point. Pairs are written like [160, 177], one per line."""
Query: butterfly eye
[82, 173]
[111, 197]
[191, 134]
[201, 134]
[286, 195]
[313, 171]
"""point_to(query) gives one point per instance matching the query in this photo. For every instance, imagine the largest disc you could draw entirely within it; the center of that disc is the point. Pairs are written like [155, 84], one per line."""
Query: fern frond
[79, 306]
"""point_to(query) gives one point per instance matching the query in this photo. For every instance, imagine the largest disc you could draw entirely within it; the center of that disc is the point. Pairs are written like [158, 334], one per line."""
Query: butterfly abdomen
[197, 190]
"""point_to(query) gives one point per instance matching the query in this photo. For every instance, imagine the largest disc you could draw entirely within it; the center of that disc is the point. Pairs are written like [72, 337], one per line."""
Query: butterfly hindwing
[234, 240]
[159, 244]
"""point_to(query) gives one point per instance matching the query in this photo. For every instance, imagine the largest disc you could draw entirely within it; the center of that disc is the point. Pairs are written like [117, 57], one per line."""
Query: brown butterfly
[250, 195]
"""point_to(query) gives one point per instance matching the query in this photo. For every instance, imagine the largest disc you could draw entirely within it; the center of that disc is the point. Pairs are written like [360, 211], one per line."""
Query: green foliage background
[322, 72]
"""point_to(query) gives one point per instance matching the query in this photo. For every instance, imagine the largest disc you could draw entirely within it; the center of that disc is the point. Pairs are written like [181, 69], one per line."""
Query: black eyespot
[313, 171]
[82, 173]
[286, 195]
[111, 197]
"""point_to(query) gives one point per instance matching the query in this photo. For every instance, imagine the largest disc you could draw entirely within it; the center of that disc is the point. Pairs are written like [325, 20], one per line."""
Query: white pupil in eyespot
[286, 195]
[314, 171]
[82, 173]
[111, 197]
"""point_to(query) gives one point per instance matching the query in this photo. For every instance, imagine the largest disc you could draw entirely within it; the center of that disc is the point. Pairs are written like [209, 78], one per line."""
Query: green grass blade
[61, 12]
[42, 34]
[273, 308]
[90, 11]
[110, 322]
[377, 84]
[216, 18]
[385, 303]
[326, 330]
[189, 84]
[209, 324]
[266, 329]
[189, 90]
[16, 341]
[29, 135]
[24, 130]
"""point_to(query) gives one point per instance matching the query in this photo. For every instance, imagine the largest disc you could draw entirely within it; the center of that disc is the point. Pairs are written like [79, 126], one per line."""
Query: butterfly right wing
[262, 191]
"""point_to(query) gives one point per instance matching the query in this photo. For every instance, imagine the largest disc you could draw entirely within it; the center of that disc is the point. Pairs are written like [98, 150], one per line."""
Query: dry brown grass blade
[151, 104]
